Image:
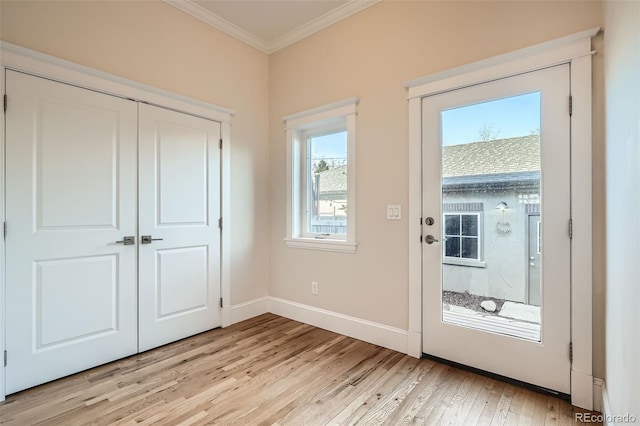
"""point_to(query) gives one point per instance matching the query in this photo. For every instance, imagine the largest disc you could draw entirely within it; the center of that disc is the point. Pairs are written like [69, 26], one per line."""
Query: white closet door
[71, 194]
[179, 207]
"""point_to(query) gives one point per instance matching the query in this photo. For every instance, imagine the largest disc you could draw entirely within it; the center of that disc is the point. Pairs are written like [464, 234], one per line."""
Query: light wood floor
[271, 370]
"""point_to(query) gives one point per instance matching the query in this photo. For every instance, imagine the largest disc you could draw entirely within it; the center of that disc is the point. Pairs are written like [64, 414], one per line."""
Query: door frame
[575, 50]
[22, 59]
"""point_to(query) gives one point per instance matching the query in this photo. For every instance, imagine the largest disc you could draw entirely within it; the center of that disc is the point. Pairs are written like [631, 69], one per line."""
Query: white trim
[227, 219]
[581, 389]
[576, 50]
[581, 243]
[344, 112]
[606, 406]
[2, 248]
[323, 245]
[219, 23]
[554, 52]
[415, 228]
[36, 63]
[368, 331]
[250, 309]
[321, 113]
[599, 395]
[336, 15]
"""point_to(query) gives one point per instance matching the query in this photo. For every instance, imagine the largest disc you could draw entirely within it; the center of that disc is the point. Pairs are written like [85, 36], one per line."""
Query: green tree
[321, 166]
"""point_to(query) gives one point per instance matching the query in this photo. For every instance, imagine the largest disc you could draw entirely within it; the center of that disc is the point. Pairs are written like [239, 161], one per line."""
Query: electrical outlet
[314, 287]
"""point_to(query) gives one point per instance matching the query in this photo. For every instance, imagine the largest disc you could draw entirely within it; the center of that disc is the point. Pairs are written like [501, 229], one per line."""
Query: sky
[506, 117]
[329, 146]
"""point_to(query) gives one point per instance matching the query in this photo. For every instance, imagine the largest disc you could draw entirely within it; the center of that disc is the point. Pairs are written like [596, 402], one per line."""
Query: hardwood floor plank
[274, 371]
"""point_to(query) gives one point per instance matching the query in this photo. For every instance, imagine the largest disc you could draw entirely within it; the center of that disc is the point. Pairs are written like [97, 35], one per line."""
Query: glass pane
[470, 248]
[470, 225]
[491, 175]
[452, 247]
[327, 184]
[452, 225]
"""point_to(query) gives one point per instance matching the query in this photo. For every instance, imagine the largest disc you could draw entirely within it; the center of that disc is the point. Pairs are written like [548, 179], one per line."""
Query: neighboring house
[330, 201]
[491, 218]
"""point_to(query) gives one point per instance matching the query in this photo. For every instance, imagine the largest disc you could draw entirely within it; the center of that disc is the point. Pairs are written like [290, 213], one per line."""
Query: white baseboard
[252, 308]
[368, 331]
[603, 400]
[598, 394]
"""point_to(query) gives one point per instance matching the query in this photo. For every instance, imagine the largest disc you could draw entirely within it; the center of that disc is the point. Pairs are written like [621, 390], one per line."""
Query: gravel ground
[470, 301]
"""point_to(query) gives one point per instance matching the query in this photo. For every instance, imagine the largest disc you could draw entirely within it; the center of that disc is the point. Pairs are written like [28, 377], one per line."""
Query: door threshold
[495, 376]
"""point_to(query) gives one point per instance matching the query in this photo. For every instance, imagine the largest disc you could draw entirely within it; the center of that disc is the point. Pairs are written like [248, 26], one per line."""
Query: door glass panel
[491, 199]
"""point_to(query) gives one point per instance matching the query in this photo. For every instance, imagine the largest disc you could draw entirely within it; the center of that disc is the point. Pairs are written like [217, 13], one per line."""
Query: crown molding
[219, 23]
[336, 15]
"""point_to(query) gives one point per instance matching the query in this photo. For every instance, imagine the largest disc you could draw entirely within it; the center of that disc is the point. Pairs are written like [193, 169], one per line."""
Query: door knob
[430, 239]
[146, 239]
[127, 241]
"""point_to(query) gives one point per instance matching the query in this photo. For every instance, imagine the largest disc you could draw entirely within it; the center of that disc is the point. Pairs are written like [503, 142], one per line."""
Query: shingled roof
[498, 163]
[513, 155]
[333, 183]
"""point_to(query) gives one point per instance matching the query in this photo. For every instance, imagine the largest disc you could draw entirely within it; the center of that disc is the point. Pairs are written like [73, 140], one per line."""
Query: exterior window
[462, 236]
[325, 172]
[321, 178]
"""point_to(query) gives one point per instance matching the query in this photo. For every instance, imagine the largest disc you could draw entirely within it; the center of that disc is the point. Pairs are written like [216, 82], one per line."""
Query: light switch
[394, 212]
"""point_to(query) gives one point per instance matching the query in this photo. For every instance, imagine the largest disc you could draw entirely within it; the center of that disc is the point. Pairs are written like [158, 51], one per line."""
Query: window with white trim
[321, 178]
[462, 236]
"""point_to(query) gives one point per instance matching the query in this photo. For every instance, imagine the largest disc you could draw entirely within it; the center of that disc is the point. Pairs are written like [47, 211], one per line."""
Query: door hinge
[5, 103]
[5, 358]
[570, 105]
[220, 144]
[5, 230]
[220, 223]
[420, 221]
[570, 228]
[570, 351]
[221, 303]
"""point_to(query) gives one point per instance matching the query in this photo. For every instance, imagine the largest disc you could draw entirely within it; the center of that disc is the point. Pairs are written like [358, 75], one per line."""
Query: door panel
[71, 194]
[478, 191]
[179, 207]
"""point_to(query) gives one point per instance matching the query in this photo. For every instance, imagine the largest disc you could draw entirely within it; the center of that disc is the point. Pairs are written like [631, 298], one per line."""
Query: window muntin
[326, 187]
[462, 236]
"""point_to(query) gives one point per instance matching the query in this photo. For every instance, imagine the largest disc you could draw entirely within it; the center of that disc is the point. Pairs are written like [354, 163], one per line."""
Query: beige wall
[370, 55]
[622, 108]
[154, 43]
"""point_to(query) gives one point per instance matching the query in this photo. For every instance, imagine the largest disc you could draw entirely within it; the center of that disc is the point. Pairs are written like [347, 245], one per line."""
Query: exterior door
[179, 208]
[489, 151]
[71, 298]
[534, 255]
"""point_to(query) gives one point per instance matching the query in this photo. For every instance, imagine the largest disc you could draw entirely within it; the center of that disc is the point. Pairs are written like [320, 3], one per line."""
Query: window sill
[339, 246]
[462, 262]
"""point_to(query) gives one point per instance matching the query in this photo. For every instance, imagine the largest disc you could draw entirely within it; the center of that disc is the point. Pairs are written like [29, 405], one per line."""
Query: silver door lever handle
[146, 239]
[127, 241]
[430, 239]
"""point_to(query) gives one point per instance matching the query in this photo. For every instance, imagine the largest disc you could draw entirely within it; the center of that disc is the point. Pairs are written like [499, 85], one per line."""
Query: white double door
[88, 175]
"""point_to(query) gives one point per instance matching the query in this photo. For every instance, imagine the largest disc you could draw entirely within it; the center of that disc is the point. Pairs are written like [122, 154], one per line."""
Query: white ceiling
[270, 25]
